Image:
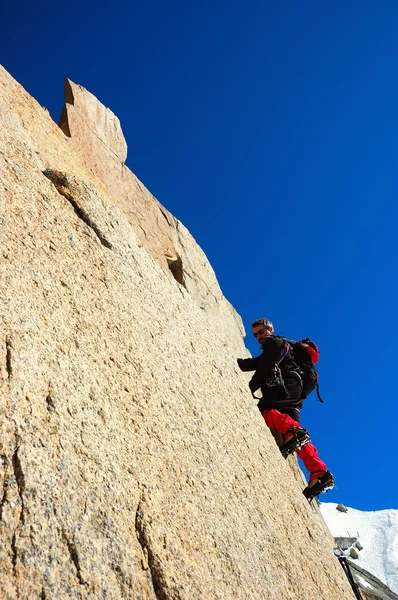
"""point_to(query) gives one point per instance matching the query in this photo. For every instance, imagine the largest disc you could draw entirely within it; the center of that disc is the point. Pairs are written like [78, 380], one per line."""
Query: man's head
[261, 329]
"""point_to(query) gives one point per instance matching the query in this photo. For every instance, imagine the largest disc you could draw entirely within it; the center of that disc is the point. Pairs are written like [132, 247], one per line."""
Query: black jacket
[285, 397]
[274, 349]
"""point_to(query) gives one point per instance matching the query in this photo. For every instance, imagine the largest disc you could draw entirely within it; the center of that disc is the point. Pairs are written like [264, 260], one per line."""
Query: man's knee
[294, 413]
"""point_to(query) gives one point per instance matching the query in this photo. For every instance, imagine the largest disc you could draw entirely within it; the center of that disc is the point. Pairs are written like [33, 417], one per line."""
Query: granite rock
[133, 464]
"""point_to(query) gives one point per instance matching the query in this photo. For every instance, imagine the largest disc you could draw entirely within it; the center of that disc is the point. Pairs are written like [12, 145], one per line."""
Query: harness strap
[284, 356]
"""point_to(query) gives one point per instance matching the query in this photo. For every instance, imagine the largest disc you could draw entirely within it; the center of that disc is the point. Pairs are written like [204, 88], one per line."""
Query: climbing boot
[318, 485]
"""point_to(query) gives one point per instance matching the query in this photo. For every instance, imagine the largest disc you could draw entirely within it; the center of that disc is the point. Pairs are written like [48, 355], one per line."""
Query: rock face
[82, 110]
[133, 463]
[96, 135]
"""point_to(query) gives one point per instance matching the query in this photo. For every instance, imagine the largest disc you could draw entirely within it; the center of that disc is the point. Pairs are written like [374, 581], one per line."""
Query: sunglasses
[259, 332]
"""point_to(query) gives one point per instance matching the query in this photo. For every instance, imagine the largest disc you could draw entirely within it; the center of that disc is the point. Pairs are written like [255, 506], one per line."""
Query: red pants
[308, 454]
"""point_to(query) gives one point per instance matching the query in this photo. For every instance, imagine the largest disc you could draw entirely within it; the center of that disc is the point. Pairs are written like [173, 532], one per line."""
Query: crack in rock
[74, 556]
[14, 553]
[170, 219]
[50, 401]
[14, 559]
[154, 564]
[5, 485]
[9, 356]
[4, 497]
[61, 183]
[175, 265]
[20, 479]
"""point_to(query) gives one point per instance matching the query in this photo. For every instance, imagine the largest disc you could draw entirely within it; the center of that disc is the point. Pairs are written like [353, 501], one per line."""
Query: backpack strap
[318, 394]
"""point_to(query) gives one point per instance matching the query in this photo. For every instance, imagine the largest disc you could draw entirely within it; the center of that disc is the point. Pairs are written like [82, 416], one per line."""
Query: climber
[278, 376]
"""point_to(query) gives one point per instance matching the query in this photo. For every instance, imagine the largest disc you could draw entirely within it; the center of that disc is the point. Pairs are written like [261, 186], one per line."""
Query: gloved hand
[253, 388]
[240, 362]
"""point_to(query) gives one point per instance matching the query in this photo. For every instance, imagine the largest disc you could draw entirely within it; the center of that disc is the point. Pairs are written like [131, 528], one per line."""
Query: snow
[377, 531]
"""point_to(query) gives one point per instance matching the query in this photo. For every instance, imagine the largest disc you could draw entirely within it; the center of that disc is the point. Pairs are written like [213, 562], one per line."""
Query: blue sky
[270, 130]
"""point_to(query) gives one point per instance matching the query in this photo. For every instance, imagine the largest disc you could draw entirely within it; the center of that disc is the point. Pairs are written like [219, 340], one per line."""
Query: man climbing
[278, 376]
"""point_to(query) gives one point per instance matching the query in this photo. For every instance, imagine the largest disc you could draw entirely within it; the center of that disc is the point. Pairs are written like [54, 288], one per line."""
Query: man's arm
[248, 364]
[272, 353]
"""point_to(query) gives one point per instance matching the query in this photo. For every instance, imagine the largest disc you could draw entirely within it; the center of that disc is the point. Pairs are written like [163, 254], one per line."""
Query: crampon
[324, 483]
[297, 439]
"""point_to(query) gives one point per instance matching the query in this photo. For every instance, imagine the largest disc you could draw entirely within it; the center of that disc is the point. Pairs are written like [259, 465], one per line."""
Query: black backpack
[305, 353]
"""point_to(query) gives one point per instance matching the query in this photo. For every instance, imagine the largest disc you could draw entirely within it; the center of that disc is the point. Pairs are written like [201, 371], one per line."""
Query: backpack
[305, 353]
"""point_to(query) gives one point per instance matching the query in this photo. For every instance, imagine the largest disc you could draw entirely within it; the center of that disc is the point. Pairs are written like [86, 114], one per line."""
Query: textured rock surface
[133, 464]
[81, 109]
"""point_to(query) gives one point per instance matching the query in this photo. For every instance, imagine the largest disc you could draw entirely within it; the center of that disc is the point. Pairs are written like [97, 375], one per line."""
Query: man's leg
[321, 479]
[308, 453]
[311, 460]
[279, 421]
